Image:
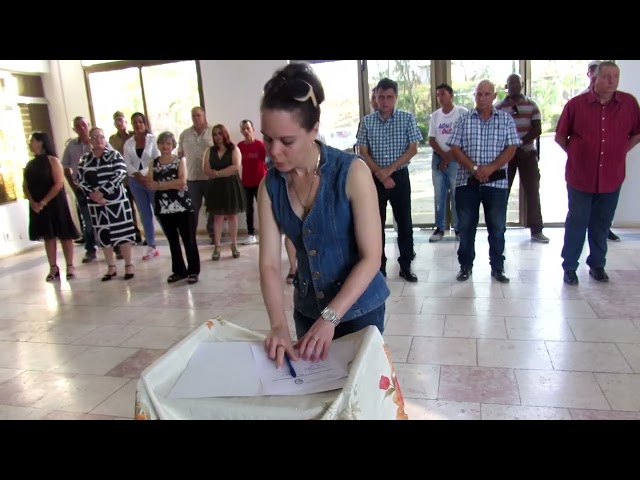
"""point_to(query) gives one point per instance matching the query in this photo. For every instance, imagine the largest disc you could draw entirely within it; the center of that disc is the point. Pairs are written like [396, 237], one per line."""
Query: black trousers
[251, 193]
[400, 198]
[176, 226]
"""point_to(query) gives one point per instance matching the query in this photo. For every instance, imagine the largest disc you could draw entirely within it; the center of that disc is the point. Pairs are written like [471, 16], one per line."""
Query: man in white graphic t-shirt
[444, 168]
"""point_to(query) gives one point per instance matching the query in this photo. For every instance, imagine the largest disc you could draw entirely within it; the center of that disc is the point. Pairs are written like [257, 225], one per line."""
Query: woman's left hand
[315, 344]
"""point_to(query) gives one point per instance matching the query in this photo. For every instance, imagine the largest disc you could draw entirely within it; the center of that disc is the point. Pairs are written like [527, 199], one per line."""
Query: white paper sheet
[235, 369]
[311, 377]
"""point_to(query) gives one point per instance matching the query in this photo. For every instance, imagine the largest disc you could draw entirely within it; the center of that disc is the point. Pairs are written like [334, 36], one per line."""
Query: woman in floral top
[168, 177]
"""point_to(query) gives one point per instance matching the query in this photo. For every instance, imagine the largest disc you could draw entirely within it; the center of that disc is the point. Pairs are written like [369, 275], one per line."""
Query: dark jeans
[592, 213]
[197, 191]
[374, 317]
[89, 236]
[400, 198]
[251, 193]
[174, 226]
[494, 202]
[527, 165]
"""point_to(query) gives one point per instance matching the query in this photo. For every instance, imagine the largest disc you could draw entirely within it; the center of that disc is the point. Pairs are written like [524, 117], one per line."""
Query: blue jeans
[494, 202]
[144, 200]
[374, 317]
[197, 191]
[443, 183]
[592, 213]
[89, 236]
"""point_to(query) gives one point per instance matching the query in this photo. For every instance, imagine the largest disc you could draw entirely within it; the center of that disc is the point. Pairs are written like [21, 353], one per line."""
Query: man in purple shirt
[596, 129]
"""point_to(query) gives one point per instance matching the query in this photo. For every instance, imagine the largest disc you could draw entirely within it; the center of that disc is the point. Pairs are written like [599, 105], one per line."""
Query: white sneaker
[250, 240]
[150, 252]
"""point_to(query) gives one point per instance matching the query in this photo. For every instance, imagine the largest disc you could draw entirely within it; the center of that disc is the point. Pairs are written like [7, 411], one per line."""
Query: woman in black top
[49, 215]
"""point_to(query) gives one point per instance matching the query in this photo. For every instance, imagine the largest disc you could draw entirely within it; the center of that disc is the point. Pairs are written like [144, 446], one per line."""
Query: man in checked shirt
[596, 129]
[483, 141]
[387, 140]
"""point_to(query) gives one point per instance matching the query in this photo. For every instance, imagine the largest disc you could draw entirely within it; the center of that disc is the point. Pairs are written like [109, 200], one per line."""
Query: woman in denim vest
[325, 201]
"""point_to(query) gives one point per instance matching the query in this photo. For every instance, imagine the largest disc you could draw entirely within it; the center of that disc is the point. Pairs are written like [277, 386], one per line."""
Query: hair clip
[309, 95]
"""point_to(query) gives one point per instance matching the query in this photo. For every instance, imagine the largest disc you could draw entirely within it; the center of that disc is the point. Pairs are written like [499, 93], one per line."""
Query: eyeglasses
[97, 137]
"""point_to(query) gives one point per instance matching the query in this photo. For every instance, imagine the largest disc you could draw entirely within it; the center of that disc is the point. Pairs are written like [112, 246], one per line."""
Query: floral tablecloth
[371, 390]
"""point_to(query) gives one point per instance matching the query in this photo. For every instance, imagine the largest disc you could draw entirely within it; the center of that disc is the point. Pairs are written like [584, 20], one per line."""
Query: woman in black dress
[49, 215]
[225, 194]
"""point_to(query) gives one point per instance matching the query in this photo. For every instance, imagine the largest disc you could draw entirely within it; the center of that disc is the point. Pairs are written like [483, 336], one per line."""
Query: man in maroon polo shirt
[596, 129]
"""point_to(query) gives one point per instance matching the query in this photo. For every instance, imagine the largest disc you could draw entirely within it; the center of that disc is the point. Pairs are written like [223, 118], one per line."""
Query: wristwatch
[330, 315]
[475, 168]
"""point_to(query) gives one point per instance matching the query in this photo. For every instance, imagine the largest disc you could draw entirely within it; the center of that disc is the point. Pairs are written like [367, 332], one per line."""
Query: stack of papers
[243, 369]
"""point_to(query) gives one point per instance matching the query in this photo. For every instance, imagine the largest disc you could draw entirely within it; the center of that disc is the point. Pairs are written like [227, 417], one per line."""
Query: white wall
[25, 66]
[232, 91]
[628, 213]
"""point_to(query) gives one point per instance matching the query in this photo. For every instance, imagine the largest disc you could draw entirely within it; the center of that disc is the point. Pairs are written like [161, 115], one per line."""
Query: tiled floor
[532, 349]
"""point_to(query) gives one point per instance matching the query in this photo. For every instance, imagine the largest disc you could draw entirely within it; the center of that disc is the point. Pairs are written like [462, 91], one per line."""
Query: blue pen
[288, 360]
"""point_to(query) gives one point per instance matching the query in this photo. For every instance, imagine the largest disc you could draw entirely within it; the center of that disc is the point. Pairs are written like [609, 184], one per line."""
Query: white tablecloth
[371, 390]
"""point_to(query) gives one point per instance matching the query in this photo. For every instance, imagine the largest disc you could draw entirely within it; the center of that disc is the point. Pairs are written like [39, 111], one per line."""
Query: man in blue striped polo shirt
[387, 140]
[483, 141]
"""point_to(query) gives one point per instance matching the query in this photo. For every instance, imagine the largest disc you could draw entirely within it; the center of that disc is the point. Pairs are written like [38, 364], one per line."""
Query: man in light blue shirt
[387, 140]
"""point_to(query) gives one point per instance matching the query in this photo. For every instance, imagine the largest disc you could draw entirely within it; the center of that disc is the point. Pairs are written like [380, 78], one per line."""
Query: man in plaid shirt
[483, 141]
[387, 140]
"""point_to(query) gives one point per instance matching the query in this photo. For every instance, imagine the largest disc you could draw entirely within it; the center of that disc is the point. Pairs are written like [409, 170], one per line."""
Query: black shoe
[613, 237]
[599, 274]
[175, 278]
[500, 276]
[138, 238]
[570, 277]
[79, 241]
[144, 244]
[464, 273]
[413, 257]
[408, 274]
[89, 257]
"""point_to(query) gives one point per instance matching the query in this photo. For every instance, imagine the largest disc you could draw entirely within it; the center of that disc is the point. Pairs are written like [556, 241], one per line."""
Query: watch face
[328, 314]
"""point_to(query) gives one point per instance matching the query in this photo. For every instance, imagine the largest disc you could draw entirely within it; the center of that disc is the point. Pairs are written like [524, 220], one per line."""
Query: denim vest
[325, 241]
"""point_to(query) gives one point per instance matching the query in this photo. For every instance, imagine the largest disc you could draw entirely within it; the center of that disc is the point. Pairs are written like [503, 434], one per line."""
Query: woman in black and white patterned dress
[168, 177]
[101, 173]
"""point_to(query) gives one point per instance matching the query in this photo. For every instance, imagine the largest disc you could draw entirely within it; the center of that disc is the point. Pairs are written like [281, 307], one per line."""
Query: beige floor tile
[474, 327]
[96, 360]
[601, 330]
[538, 329]
[527, 354]
[418, 409]
[587, 357]
[415, 325]
[443, 351]
[478, 384]
[156, 337]
[121, 404]
[398, 346]
[603, 415]
[622, 390]
[540, 388]
[517, 412]
[109, 335]
[10, 412]
[631, 352]
[418, 381]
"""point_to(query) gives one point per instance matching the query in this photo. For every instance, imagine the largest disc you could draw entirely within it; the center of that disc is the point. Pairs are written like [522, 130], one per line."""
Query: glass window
[170, 112]
[169, 90]
[553, 83]
[112, 91]
[341, 108]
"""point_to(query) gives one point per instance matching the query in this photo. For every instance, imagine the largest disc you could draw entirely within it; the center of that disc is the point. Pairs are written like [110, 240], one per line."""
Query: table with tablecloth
[371, 390]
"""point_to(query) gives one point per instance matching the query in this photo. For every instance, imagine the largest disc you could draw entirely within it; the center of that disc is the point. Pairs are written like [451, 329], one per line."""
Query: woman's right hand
[35, 206]
[278, 342]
